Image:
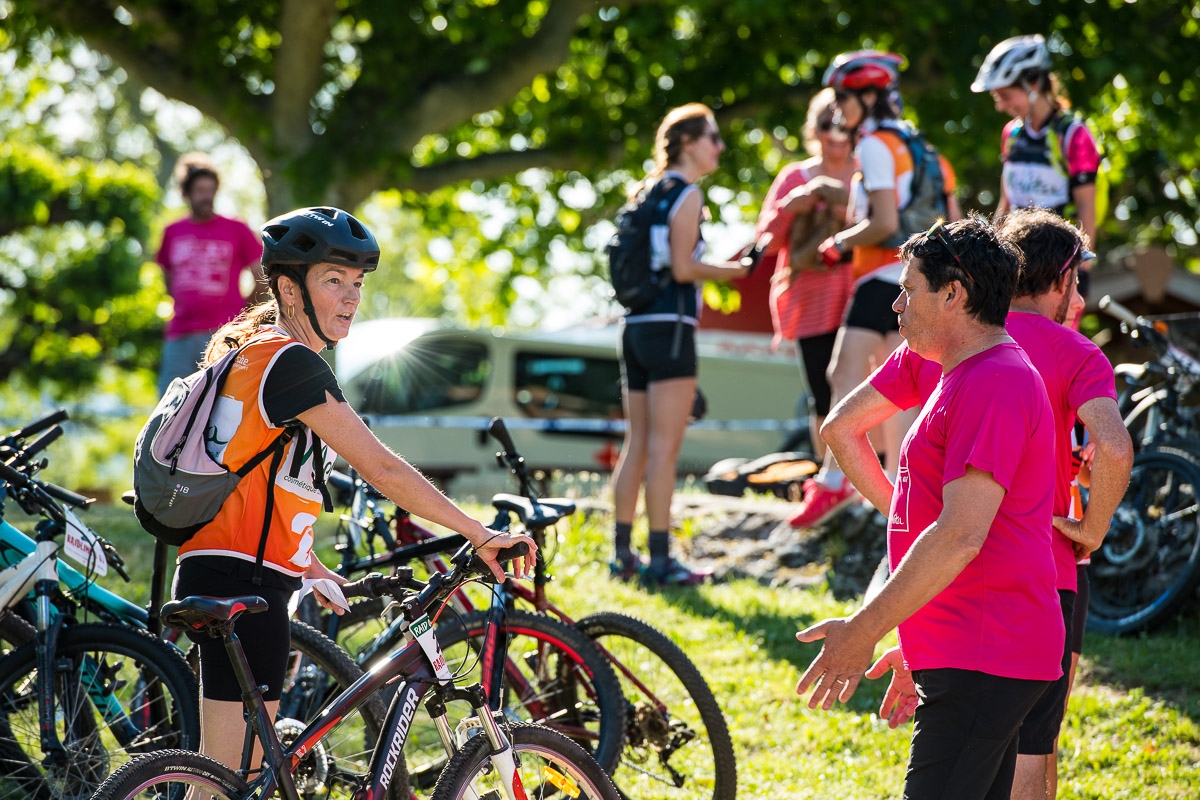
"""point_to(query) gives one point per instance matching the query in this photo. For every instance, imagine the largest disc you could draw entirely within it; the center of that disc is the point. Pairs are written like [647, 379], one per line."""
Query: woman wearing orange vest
[866, 91]
[314, 260]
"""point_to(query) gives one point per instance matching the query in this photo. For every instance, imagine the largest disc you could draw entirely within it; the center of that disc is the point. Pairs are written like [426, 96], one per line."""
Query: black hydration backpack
[635, 280]
[927, 192]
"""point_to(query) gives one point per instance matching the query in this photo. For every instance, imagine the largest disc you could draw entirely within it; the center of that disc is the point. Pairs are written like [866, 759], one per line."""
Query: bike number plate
[82, 547]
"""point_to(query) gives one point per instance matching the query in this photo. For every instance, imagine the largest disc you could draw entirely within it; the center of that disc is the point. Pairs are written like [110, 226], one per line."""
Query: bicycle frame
[412, 541]
[423, 672]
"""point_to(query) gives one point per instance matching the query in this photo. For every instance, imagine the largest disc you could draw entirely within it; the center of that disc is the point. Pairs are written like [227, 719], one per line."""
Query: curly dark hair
[191, 166]
[969, 251]
[1049, 244]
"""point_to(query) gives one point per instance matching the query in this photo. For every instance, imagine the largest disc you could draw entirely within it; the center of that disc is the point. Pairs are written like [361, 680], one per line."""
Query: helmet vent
[356, 228]
[344, 255]
[276, 232]
[372, 261]
[304, 243]
[326, 211]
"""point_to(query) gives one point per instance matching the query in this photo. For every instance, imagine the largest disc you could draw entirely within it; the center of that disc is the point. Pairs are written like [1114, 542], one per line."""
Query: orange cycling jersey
[872, 257]
[238, 429]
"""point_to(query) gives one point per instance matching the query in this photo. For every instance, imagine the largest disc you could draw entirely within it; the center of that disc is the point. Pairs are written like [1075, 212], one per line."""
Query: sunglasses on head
[937, 233]
[1086, 255]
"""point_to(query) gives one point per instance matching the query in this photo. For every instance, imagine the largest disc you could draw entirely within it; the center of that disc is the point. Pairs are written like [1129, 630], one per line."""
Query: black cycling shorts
[964, 742]
[1082, 598]
[656, 351]
[1040, 728]
[265, 636]
[871, 307]
[816, 352]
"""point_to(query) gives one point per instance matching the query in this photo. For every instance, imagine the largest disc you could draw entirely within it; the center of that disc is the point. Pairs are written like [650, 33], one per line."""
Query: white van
[429, 391]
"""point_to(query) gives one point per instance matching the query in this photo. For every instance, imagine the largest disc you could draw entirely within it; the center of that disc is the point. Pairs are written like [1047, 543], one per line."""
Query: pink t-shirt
[1074, 371]
[1001, 614]
[203, 264]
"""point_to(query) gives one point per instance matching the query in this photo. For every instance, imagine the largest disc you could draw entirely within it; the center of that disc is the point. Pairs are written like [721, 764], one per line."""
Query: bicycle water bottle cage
[543, 514]
[212, 615]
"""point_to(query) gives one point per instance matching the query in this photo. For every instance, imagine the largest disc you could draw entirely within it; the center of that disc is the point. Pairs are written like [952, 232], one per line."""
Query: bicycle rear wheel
[677, 743]
[554, 675]
[118, 692]
[172, 775]
[549, 765]
[1149, 563]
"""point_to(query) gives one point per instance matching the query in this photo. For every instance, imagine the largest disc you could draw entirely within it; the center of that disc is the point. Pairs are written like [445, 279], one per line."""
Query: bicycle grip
[53, 418]
[13, 476]
[39, 444]
[1117, 310]
[66, 495]
[499, 432]
[373, 585]
[502, 556]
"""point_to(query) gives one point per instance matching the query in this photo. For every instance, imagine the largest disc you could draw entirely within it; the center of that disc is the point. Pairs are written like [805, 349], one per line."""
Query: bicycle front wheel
[118, 692]
[548, 763]
[1149, 563]
[172, 775]
[677, 743]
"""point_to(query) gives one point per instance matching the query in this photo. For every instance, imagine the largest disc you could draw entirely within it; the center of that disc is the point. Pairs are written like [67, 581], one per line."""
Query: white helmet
[1010, 60]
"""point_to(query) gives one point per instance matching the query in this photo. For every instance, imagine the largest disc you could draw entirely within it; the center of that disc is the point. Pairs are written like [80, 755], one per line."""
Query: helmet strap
[308, 309]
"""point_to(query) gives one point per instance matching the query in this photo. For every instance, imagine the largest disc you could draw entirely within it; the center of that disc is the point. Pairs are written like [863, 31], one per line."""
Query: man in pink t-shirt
[972, 588]
[204, 258]
[1080, 383]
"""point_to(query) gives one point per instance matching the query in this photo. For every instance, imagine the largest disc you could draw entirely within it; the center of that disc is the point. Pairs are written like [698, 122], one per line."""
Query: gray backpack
[180, 488]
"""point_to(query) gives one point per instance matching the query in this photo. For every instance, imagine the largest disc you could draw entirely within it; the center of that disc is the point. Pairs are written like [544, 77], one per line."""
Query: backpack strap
[276, 459]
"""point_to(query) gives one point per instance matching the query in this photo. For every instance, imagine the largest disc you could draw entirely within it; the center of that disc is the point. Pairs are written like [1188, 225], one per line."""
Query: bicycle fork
[503, 757]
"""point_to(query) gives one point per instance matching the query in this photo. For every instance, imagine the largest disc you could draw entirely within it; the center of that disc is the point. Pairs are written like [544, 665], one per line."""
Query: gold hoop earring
[291, 312]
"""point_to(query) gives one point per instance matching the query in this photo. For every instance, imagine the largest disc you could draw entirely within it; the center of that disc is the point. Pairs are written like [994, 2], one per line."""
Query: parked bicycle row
[607, 683]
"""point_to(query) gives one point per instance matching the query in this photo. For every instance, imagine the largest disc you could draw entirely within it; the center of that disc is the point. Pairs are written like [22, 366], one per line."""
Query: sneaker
[674, 574]
[820, 503]
[626, 570]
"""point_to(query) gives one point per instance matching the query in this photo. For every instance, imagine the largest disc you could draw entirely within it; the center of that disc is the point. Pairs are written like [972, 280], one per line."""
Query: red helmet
[864, 69]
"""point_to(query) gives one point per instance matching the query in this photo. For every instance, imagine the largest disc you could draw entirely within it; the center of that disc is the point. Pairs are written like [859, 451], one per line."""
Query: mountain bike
[1156, 400]
[489, 758]
[317, 667]
[79, 699]
[677, 743]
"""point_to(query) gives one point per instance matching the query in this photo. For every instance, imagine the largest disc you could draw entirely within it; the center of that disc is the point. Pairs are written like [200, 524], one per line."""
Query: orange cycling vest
[239, 429]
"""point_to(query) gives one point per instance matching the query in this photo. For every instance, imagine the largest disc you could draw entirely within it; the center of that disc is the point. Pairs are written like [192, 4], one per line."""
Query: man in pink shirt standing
[1080, 384]
[973, 582]
[204, 258]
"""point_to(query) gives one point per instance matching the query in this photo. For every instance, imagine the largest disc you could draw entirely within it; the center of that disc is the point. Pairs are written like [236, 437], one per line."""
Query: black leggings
[816, 352]
[265, 636]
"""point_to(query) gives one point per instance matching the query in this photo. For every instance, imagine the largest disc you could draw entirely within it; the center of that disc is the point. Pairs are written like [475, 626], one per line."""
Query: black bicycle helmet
[319, 235]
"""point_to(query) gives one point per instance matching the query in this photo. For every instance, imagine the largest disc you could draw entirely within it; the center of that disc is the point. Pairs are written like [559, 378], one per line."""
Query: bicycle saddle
[547, 511]
[198, 613]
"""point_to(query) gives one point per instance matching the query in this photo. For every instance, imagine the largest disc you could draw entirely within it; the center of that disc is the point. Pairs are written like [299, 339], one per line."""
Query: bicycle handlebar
[53, 418]
[376, 585]
[41, 443]
[499, 432]
[1119, 311]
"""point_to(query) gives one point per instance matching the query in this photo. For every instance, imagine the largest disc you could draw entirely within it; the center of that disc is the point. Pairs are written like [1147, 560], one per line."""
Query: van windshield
[431, 373]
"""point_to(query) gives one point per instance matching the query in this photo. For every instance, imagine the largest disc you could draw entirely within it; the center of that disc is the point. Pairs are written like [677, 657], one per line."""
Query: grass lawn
[1131, 730]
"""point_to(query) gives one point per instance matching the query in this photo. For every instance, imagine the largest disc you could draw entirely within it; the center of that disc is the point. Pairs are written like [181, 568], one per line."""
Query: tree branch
[304, 28]
[492, 165]
[447, 103]
[156, 65]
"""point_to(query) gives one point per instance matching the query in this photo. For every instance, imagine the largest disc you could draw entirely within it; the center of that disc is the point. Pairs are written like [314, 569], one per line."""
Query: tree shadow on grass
[774, 634]
[1162, 663]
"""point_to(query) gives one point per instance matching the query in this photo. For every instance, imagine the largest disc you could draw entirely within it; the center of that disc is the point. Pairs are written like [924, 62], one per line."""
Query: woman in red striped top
[808, 301]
